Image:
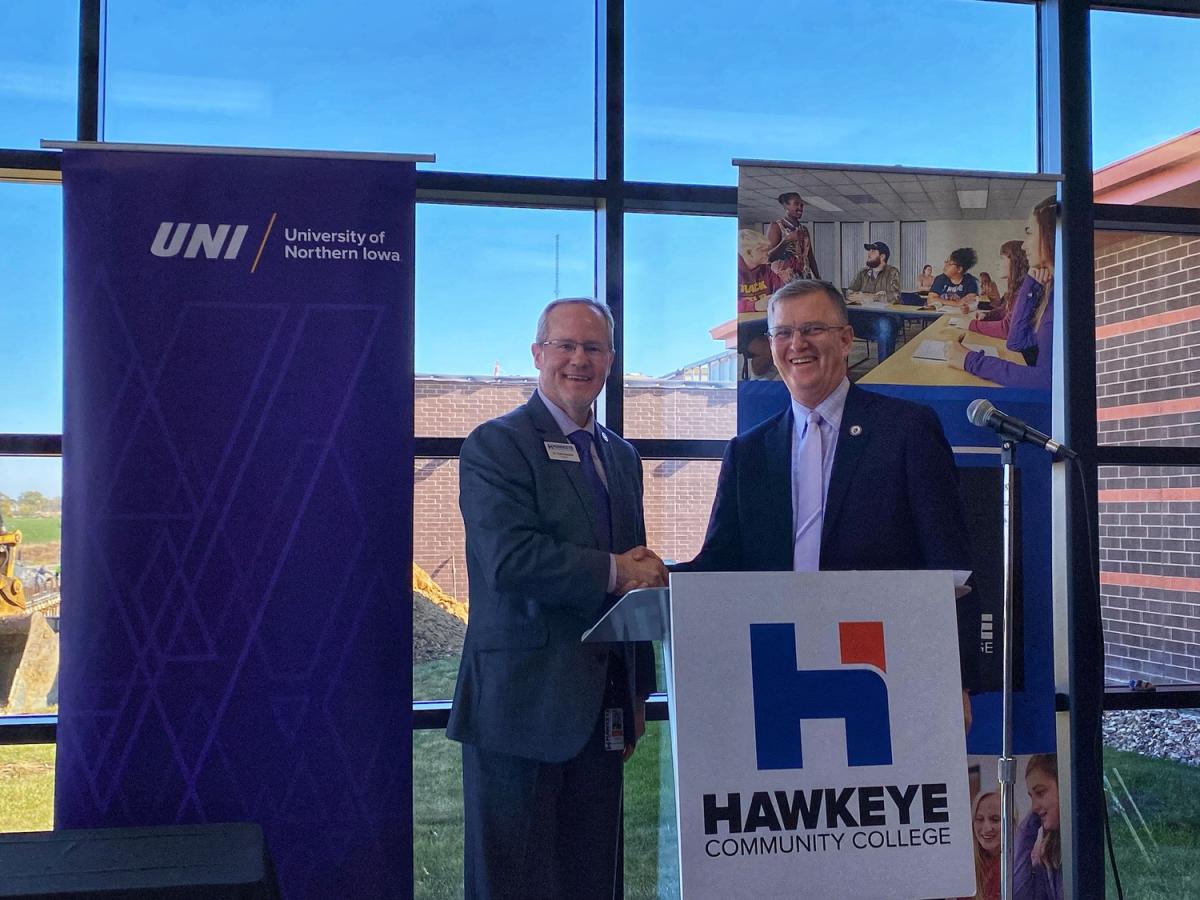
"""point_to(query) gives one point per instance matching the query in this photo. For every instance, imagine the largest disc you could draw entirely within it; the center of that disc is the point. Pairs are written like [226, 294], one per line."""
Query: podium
[816, 731]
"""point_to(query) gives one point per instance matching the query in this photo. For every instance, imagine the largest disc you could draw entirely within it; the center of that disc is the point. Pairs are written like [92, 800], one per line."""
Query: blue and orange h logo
[785, 695]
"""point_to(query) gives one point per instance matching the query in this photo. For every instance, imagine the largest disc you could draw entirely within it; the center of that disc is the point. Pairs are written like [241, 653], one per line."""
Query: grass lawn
[437, 805]
[1168, 796]
[36, 530]
[26, 787]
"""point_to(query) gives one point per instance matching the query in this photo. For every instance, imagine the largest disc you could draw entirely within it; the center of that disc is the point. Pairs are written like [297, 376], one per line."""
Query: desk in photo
[880, 322]
[901, 368]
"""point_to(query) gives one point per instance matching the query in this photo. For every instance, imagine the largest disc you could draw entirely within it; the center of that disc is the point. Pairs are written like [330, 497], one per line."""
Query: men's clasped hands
[640, 567]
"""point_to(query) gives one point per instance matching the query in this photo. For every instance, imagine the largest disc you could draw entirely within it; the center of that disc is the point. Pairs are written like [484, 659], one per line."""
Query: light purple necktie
[808, 497]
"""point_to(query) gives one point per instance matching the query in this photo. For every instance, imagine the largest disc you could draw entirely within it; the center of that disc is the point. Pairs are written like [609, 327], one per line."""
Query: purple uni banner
[237, 527]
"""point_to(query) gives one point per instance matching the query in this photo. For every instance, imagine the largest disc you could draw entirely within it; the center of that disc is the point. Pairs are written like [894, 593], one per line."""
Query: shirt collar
[831, 408]
[565, 423]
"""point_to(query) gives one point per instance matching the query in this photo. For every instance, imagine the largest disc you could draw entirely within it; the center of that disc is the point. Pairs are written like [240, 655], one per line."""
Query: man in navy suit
[552, 503]
[844, 478]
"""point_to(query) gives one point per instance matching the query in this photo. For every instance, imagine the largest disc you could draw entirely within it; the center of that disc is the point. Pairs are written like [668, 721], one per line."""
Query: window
[680, 307]
[488, 87]
[845, 81]
[31, 279]
[1148, 338]
[39, 45]
[483, 276]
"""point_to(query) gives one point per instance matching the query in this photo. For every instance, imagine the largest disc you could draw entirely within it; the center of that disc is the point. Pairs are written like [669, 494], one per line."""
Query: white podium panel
[818, 733]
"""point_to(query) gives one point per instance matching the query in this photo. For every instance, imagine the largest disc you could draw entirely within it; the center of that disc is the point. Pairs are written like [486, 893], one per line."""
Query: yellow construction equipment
[28, 645]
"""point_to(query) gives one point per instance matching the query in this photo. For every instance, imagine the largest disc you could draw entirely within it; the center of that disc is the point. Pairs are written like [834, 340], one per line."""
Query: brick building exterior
[1148, 392]
[678, 493]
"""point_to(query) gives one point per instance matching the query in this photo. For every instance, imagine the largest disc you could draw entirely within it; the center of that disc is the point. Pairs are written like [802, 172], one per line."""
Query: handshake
[639, 568]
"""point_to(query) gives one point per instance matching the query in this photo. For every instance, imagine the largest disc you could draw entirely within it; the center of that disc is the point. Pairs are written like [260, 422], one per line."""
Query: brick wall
[678, 493]
[1148, 392]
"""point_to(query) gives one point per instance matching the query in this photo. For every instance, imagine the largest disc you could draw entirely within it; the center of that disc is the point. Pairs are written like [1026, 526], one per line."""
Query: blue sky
[508, 88]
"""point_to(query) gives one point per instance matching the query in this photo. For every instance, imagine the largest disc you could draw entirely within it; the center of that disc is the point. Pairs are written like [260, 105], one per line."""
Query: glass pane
[1148, 338]
[437, 817]
[840, 81]
[1145, 152]
[483, 277]
[680, 328]
[31, 284]
[39, 72]
[677, 497]
[651, 838]
[1150, 573]
[30, 572]
[1151, 781]
[439, 579]
[26, 787]
[486, 86]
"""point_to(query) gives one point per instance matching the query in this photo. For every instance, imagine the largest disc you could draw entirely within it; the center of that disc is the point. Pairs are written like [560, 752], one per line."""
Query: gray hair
[543, 322]
[802, 287]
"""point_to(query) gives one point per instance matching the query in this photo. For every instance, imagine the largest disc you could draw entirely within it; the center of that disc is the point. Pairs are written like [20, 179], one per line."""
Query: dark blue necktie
[603, 523]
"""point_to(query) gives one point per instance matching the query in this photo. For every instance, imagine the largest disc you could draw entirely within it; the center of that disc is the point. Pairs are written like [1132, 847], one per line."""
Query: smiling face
[794, 207]
[952, 270]
[810, 367]
[573, 381]
[987, 823]
[1043, 792]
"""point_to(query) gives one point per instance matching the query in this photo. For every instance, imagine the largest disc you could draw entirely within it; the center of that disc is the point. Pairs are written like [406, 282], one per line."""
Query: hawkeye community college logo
[785, 695]
[215, 242]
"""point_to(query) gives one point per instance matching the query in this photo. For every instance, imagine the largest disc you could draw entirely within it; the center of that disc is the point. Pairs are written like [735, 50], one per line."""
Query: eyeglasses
[784, 333]
[568, 348]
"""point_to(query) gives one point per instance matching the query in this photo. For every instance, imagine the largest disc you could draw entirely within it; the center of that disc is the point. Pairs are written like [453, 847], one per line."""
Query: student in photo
[988, 289]
[925, 279]
[1037, 867]
[985, 831]
[956, 284]
[790, 240]
[995, 321]
[878, 279]
[1031, 325]
[758, 277]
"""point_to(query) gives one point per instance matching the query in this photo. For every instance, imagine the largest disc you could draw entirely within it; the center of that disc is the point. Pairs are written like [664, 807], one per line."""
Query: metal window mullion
[1065, 145]
[610, 208]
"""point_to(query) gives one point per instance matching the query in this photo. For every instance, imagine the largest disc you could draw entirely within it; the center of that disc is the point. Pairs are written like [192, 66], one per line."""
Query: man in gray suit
[552, 503]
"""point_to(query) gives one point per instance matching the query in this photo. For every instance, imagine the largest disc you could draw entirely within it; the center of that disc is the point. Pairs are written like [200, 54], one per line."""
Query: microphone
[983, 414]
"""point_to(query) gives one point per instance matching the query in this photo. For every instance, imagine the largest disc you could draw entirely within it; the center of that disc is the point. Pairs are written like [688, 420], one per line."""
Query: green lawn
[26, 787]
[1168, 796]
[1166, 793]
[437, 805]
[36, 530]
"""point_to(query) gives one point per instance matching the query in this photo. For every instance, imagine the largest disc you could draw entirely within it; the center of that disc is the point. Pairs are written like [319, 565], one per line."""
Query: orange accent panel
[862, 642]
[1162, 582]
[1140, 410]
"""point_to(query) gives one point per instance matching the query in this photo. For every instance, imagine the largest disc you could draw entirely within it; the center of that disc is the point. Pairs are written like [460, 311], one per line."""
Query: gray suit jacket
[527, 686]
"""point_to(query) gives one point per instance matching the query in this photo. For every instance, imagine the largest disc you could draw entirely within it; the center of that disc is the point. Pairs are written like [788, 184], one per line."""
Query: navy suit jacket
[527, 686]
[892, 503]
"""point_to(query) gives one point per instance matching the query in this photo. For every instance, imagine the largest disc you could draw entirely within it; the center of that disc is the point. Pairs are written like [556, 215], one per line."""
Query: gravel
[1162, 733]
[436, 633]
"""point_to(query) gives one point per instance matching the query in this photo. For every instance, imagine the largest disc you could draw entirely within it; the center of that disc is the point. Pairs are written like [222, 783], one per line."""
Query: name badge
[562, 452]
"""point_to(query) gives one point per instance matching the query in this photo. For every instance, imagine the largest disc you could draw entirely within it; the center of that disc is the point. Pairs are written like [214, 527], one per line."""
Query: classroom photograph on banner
[948, 277]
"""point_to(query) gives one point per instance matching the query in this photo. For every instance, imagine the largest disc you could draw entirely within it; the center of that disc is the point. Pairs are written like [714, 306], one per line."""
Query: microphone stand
[1006, 765]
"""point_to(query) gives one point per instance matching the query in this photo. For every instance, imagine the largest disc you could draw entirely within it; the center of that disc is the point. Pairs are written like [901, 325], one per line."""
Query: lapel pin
[855, 430]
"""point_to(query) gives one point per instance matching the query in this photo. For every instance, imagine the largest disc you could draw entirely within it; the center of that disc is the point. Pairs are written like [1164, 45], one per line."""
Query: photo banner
[237, 527]
[937, 272]
[948, 279]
